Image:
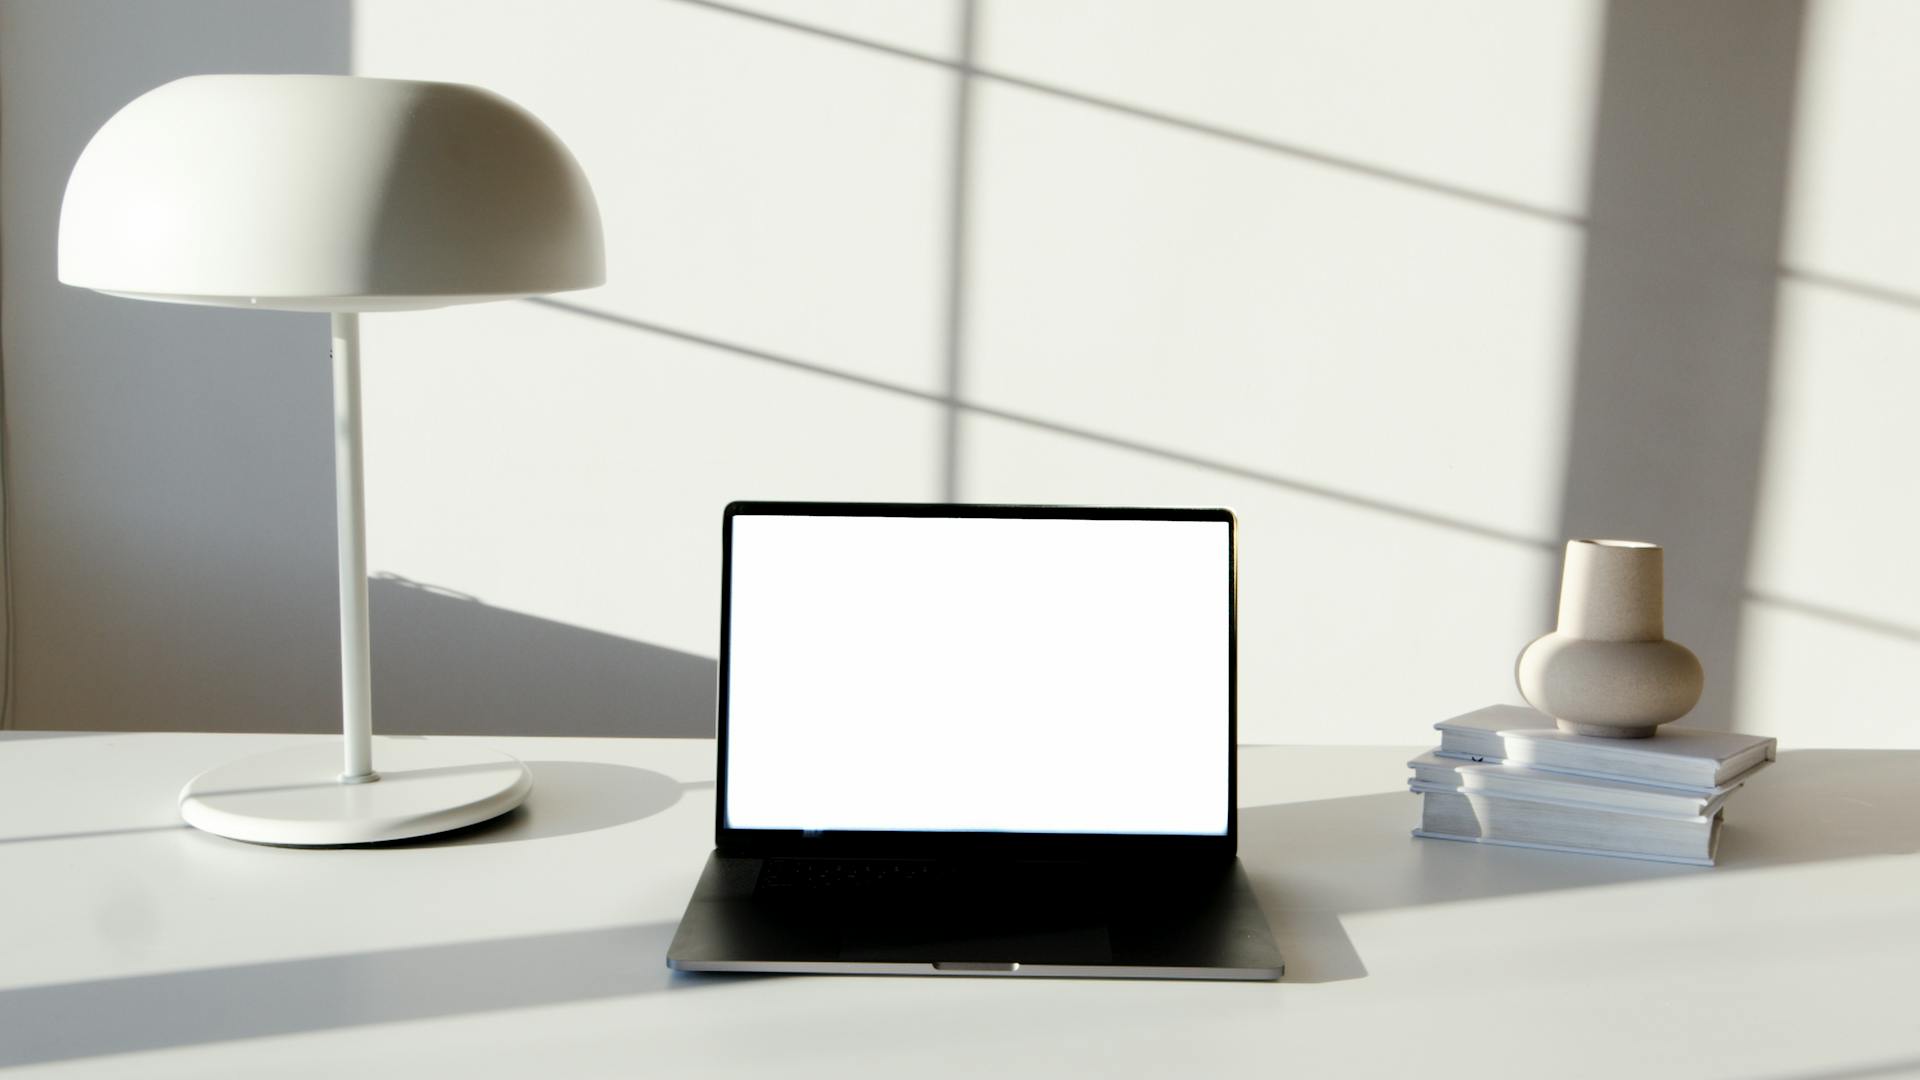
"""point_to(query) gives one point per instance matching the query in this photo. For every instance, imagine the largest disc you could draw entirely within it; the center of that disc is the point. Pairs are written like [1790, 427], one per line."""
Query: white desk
[132, 946]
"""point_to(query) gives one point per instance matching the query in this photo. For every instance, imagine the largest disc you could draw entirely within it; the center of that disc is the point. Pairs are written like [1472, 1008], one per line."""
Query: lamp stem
[350, 505]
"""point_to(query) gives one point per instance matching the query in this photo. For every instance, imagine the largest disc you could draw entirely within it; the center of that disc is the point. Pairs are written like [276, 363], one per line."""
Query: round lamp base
[295, 797]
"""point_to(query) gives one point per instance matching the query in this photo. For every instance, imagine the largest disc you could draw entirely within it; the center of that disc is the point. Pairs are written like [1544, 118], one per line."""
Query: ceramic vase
[1608, 669]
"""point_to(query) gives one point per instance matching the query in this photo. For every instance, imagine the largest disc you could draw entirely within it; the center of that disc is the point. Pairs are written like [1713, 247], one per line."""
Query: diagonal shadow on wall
[447, 664]
[1674, 354]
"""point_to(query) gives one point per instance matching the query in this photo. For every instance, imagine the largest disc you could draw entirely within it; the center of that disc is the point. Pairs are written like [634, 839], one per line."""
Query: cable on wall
[6, 535]
[957, 225]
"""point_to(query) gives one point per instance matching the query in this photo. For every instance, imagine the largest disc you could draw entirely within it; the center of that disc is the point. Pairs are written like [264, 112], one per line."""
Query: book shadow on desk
[188, 1008]
[1312, 863]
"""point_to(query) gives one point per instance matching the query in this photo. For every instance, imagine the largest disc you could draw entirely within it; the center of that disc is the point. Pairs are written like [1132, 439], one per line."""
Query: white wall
[1834, 615]
[1418, 289]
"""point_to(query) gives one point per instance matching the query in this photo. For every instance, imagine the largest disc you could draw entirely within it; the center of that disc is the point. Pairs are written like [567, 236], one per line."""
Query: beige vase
[1608, 669]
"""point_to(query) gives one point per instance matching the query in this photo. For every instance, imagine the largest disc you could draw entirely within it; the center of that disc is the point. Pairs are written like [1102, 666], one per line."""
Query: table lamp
[339, 194]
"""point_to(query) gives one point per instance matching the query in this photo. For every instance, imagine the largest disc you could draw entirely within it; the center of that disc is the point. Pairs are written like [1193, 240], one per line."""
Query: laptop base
[1174, 921]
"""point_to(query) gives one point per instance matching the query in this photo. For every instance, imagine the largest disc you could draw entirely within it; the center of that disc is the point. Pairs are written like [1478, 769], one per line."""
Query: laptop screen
[980, 674]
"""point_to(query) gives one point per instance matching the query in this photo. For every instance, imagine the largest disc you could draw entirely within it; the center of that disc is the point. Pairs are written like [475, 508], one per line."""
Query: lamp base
[295, 797]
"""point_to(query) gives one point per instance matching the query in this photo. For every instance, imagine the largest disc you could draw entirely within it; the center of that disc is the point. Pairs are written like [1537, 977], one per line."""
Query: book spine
[1522, 781]
[1591, 774]
[1693, 813]
[1681, 859]
[1494, 818]
[1550, 754]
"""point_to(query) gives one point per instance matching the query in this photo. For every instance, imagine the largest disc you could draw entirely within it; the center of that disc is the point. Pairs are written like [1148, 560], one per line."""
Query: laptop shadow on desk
[1314, 862]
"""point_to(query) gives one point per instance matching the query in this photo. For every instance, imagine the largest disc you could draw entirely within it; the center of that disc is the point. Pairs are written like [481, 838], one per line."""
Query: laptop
[976, 740]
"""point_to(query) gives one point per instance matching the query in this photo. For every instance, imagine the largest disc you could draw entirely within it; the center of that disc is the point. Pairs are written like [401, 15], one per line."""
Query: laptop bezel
[774, 843]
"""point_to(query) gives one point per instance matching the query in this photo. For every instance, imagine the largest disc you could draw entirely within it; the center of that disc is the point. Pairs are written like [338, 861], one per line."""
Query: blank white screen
[978, 674]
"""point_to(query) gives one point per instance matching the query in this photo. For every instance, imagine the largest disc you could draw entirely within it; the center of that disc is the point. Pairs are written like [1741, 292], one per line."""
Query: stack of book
[1507, 775]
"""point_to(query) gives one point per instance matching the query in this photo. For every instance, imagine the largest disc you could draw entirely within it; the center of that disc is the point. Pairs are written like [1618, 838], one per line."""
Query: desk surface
[131, 945]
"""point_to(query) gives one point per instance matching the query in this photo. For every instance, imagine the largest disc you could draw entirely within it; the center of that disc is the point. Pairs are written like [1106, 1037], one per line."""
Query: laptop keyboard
[921, 881]
[805, 874]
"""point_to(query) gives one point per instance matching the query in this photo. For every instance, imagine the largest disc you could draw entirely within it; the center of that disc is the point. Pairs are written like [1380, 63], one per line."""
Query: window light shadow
[1855, 620]
[1225, 468]
[1866, 290]
[1674, 351]
[1324, 859]
[1333, 161]
[67, 1021]
[91, 834]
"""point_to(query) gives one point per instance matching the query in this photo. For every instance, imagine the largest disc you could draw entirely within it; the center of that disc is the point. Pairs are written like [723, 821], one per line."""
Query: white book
[1432, 771]
[1488, 819]
[1676, 757]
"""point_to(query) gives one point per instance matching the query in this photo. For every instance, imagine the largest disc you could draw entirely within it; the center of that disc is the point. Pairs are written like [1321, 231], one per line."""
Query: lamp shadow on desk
[189, 1008]
[568, 797]
[1314, 862]
[444, 663]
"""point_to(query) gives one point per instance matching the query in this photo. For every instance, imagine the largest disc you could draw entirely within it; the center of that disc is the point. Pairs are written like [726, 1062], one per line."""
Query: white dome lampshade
[338, 194]
[327, 193]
